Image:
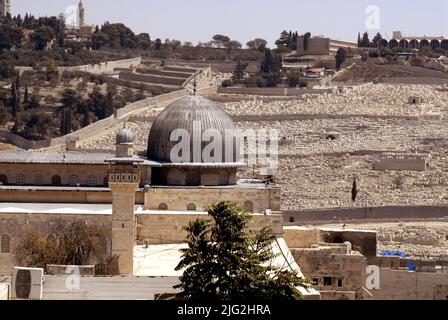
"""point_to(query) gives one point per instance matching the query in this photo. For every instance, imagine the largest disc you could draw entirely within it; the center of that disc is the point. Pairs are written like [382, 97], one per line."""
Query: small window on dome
[163, 206]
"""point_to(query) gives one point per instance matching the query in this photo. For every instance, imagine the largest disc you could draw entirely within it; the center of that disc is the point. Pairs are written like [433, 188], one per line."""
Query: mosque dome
[181, 115]
[125, 136]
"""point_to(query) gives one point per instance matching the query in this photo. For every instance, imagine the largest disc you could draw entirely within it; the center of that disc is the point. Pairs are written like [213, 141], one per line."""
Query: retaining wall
[155, 79]
[372, 213]
[105, 67]
[405, 285]
[271, 91]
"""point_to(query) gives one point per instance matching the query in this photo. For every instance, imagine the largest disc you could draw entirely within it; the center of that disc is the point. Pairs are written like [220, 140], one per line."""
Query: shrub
[227, 83]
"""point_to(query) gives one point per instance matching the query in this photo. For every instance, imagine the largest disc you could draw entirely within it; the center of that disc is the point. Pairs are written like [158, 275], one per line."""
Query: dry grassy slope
[367, 72]
[6, 147]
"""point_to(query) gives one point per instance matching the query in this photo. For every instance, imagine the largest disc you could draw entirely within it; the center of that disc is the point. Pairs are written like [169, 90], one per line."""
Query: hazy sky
[242, 20]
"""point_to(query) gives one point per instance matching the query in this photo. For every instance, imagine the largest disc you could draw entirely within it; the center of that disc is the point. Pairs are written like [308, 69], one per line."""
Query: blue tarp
[411, 266]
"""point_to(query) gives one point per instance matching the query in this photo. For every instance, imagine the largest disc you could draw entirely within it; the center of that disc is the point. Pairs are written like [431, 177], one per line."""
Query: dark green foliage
[238, 74]
[306, 39]
[223, 261]
[340, 58]
[35, 125]
[354, 190]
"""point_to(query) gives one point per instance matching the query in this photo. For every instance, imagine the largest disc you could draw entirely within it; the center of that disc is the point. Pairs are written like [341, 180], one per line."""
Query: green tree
[257, 44]
[376, 40]
[41, 37]
[268, 61]
[74, 243]
[354, 190]
[33, 103]
[306, 40]
[220, 40]
[70, 98]
[223, 261]
[365, 42]
[340, 58]
[26, 95]
[14, 101]
[158, 44]
[238, 74]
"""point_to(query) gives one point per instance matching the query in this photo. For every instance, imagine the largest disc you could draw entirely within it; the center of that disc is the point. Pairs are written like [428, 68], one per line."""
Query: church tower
[5, 8]
[81, 14]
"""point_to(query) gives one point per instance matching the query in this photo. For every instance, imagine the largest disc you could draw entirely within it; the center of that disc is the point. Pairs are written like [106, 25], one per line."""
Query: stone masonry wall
[168, 228]
[405, 285]
[180, 198]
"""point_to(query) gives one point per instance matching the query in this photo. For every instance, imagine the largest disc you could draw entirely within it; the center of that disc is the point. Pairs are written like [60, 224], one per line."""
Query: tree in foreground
[224, 262]
[72, 243]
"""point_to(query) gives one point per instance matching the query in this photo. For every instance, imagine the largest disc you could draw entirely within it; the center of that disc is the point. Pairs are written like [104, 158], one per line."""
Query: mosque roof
[194, 115]
[54, 157]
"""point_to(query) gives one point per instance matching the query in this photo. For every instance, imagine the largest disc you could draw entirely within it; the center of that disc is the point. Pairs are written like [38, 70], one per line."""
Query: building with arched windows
[414, 42]
[141, 198]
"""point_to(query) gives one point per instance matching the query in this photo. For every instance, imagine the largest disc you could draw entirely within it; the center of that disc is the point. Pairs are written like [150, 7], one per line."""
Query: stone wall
[301, 237]
[337, 295]
[271, 91]
[362, 241]
[401, 163]
[405, 285]
[155, 79]
[167, 228]
[332, 267]
[177, 198]
[105, 67]
[371, 213]
[47, 171]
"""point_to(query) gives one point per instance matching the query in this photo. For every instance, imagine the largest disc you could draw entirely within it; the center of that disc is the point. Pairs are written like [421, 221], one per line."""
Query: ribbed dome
[181, 115]
[125, 136]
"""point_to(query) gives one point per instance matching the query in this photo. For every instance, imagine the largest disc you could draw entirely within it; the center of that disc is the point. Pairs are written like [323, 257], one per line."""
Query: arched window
[5, 245]
[193, 178]
[291, 219]
[191, 207]
[73, 181]
[163, 206]
[20, 179]
[56, 180]
[39, 180]
[3, 179]
[249, 206]
[91, 181]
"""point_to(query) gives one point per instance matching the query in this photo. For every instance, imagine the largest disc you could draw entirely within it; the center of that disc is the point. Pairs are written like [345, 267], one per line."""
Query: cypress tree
[14, 102]
[25, 95]
[354, 190]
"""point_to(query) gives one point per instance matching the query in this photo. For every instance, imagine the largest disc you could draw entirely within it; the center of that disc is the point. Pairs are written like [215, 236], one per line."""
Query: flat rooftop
[87, 209]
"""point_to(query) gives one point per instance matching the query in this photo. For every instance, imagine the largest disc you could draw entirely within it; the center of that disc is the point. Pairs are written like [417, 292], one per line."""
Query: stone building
[79, 30]
[140, 198]
[323, 46]
[5, 8]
